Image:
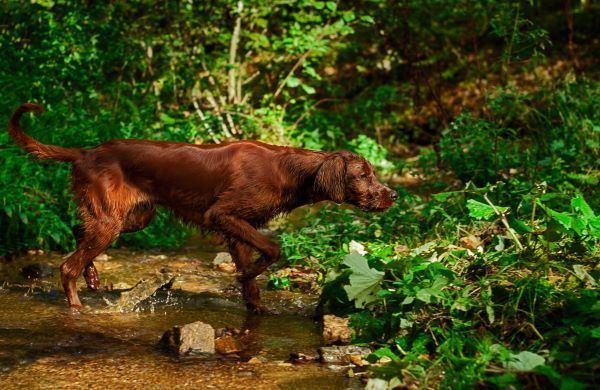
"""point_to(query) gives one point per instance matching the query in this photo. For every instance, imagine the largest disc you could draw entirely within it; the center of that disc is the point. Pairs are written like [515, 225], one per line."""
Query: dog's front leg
[242, 257]
[246, 238]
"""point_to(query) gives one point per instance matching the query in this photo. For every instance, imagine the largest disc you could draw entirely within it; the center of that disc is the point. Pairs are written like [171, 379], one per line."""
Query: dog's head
[347, 177]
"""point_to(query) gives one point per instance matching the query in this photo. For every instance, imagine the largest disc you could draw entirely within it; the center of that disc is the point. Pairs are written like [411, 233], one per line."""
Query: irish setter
[233, 188]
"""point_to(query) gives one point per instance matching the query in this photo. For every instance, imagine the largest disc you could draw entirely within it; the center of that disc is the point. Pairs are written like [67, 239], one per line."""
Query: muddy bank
[43, 344]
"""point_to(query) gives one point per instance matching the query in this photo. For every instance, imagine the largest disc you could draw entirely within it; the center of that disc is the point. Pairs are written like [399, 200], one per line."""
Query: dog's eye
[364, 175]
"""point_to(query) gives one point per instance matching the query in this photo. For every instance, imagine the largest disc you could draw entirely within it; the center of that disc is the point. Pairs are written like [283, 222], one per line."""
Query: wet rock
[228, 332]
[336, 330]
[300, 358]
[36, 271]
[144, 290]
[196, 337]
[226, 345]
[227, 267]
[102, 257]
[341, 354]
[221, 258]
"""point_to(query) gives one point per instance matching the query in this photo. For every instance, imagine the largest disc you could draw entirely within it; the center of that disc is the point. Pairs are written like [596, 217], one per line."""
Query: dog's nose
[393, 195]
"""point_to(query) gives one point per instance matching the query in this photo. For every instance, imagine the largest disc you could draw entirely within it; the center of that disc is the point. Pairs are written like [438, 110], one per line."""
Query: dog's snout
[393, 195]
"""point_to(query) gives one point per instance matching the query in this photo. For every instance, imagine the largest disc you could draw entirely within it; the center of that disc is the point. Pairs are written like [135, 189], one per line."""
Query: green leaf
[404, 323]
[424, 295]
[596, 333]
[583, 275]
[167, 120]
[385, 351]
[331, 5]
[480, 210]
[367, 19]
[524, 361]
[490, 312]
[580, 205]
[519, 226]
[443, 196]
[56, 237]
[308, 89]
[364, 281]
[319, 5]
[348, 16]
[293, 82]
[23, 218]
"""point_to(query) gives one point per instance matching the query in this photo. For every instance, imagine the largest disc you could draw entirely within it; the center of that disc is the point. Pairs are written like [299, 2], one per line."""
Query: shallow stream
[44, 344]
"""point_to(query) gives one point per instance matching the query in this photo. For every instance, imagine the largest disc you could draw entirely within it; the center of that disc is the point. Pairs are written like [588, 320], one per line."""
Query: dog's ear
[331, 178]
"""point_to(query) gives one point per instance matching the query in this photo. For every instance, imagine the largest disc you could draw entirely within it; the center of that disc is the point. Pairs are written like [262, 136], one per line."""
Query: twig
[249, 79]
[213, 102]
[220, 108]
[235, 38]
[305, 113]
[303, 57]
[203, 120]
[504, 222]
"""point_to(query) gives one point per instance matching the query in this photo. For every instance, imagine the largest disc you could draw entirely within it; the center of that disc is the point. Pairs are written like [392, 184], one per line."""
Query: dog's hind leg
[90, 273]
[95, 236]
[138, 218]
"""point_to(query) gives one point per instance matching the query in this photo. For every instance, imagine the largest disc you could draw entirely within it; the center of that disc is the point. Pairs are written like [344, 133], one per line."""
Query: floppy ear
[331, 178]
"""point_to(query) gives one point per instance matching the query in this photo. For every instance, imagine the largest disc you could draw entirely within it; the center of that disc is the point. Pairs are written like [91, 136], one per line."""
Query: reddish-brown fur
[232, 188]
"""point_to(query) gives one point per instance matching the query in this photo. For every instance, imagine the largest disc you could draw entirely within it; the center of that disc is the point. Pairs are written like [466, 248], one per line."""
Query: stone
[144, 290]
[254, 360]
[227, 267]
[336, 330]
[341, 354]
[102, 257]
[196, 337]
[301, 358]
[222, 257]
[226, 345]
[36, 271]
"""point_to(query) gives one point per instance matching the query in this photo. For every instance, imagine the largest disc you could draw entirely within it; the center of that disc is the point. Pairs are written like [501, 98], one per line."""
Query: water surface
[44, 344]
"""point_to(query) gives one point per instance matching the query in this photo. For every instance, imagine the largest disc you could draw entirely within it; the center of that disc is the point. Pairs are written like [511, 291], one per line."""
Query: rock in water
[143, 290]
[226, 344]
[222, 258]
[36, 271]
[336, 330]
[227, 267]
[196, 337]
[342, 354]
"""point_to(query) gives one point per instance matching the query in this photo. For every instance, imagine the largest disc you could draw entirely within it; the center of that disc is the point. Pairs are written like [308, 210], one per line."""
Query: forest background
[484, 115]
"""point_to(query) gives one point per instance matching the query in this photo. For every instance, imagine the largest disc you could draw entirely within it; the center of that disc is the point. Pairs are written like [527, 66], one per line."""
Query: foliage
[483, 275]
[488, 283]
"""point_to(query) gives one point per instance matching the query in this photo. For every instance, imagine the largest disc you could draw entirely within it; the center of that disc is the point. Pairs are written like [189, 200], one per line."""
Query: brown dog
[232, 188]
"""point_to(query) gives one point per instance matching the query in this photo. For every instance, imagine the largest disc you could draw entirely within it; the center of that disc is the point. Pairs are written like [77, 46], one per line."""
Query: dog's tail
[39, 150]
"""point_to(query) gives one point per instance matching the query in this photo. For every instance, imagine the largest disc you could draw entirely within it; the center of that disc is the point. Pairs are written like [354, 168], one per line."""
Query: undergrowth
[492, 282]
